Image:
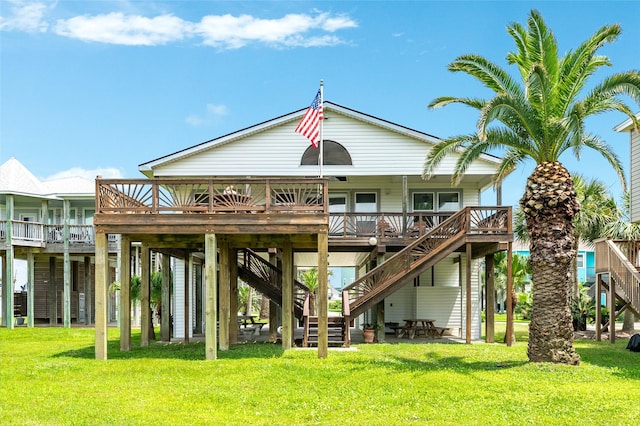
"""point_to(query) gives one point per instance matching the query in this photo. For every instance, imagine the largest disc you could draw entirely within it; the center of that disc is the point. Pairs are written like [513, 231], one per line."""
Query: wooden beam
[88, 292]
[490, 297]
[53, 292]
[66, 268]
[187, 291]
[273, 307]
[598, 300]
[125, 293]
[31, 289]
[287, 296]
[612, 310]
[468, 293]
[211, 285]
[510, 308]
[323, 294]
[233, 294]
[224, 287]
[145, 290]
[102, 278]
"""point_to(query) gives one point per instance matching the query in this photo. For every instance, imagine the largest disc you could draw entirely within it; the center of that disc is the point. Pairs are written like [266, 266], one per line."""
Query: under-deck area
[218, 218]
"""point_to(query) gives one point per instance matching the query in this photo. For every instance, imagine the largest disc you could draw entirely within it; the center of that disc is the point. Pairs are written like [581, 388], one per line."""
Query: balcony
[34, 234]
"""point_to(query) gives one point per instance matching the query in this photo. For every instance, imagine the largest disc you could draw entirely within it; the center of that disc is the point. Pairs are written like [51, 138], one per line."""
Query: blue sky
[99, 87]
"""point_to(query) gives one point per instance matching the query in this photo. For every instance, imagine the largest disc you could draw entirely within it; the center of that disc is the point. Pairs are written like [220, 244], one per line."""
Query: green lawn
[48, 376]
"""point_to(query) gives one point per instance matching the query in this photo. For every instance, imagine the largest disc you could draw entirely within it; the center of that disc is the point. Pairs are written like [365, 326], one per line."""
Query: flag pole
[321, 155]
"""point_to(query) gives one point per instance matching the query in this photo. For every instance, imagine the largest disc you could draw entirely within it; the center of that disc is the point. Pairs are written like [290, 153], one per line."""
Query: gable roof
[16, 179]
[147, 168]
[626, 125]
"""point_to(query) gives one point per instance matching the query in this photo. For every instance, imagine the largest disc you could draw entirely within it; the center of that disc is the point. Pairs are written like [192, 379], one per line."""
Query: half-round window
[334, 155]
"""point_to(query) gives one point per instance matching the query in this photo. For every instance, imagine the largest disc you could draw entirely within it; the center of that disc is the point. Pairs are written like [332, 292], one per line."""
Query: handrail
[209, 195]
[469, 220]
[614, 257]
[272, 276]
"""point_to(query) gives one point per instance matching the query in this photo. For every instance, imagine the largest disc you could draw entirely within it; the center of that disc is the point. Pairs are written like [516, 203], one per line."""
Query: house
[585, 260]
[47, 248]
[617, 262]
[634, 174]
[415, 245]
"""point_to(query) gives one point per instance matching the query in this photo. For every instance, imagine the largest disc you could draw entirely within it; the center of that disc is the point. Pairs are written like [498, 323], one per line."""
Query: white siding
[442, 301]
[635, 176]
[178, 300]
[375, 151]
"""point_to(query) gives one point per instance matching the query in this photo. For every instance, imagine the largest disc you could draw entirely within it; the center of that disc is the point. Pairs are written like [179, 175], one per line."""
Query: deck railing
[50, 234]
[251, 195]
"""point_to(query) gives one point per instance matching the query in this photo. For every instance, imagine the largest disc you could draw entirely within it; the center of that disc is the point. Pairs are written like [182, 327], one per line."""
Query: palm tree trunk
[550, 204]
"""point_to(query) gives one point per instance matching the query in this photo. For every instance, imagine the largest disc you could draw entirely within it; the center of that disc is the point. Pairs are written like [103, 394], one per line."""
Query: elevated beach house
[47, 248]
[255, 205]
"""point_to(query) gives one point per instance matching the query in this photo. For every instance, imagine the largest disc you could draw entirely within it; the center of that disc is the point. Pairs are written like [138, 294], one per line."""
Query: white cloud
[131, 30]
[212, 113]
[24, 16]
[233, 32]
[221, 31]
[106, 173]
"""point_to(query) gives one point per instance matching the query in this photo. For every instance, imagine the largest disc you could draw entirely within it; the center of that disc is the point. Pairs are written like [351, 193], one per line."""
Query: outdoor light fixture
[373, 241]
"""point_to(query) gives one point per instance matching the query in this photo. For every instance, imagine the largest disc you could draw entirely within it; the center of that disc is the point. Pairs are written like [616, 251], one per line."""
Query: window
[333, 154]
[366, 202]
[580, 260]
[337, 203]
[422, 201]
[448, 201]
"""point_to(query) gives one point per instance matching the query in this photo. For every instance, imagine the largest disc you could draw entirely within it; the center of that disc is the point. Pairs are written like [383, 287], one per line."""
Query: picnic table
[418, 326]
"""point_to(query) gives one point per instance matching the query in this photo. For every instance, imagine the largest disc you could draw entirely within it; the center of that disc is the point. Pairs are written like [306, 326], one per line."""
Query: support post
[53, 292]
[145, 287]
[233, 295]
[287, 296]
[211, 284]
[224, 287]
[102, 278]
[490, 288]
[31, 288]
[165, 327]
[88, 292]
[598, 307]
[468, 293]
[273, 306]
[66, 268]
[323, 294]
[187, 292]
[7, 281]
[379, 308]
[510, 308]
[125, 293]
[612, 310]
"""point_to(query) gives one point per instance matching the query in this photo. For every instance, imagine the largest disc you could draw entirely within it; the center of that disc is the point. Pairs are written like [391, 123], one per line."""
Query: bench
[440, 331]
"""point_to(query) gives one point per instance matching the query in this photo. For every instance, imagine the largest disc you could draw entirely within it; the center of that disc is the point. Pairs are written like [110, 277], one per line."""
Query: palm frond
[491, 75]
[439, 151]
[446, 100]
[594, 142]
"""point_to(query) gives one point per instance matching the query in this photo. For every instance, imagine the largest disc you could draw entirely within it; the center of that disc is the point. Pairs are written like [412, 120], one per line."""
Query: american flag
[309, 126]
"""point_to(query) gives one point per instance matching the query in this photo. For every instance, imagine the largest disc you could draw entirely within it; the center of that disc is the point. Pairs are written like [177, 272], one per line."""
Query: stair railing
[624, 273]
[469, 220]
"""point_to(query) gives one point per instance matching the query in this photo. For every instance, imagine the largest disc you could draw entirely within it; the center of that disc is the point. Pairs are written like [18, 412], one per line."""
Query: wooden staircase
[471, 224]
[267, 279]
[617, 265]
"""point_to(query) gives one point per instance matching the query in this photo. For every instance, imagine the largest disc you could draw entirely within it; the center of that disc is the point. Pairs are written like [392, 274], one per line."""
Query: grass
[48, 376]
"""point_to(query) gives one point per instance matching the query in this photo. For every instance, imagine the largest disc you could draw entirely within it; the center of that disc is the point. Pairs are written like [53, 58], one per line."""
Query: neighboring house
[585, 262]
[371, 203]
[634, 174]
[46, 239]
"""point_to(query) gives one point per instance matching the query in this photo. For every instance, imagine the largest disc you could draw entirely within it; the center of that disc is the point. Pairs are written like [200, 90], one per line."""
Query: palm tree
[539, 119]
[520, 273]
